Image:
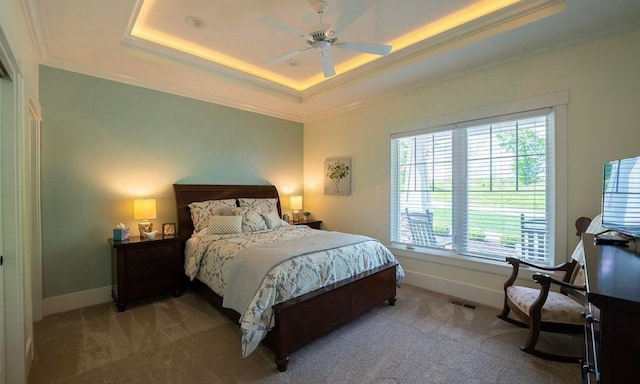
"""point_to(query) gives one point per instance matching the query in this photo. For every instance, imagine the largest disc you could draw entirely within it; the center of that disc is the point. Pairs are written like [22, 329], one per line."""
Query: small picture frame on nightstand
[169, 230]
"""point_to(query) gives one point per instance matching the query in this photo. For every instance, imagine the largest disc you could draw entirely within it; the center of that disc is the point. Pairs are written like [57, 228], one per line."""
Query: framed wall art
[337, 176]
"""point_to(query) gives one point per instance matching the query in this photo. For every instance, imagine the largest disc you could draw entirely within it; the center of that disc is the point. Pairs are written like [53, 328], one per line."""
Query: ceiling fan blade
[279, 25]
[286, 56]
[374, 49]
[327, 64]
[354, 12]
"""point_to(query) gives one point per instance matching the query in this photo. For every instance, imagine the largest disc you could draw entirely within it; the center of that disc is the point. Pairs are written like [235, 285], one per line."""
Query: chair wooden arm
[545, 279]
[515, 262]
[565, 267]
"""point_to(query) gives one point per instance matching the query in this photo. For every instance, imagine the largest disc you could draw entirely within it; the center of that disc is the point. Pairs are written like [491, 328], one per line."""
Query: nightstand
[315, 224]
[142, 268]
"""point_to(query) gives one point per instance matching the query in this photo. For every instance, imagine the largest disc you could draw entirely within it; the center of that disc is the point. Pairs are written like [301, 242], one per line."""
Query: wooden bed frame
[303, 319]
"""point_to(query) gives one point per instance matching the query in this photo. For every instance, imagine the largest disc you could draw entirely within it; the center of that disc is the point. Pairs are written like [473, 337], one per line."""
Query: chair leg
[505, 310]
[504, 315]
[532, 339]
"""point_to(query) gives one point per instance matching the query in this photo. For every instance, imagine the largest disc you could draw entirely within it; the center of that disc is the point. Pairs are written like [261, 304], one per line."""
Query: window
[480, 188]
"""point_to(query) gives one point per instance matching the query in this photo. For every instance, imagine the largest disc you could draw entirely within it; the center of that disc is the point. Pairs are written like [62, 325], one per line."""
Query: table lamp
[144, 210]
[295, 202]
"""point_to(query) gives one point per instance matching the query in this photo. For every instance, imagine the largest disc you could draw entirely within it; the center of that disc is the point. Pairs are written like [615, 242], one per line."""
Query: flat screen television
[621, 196]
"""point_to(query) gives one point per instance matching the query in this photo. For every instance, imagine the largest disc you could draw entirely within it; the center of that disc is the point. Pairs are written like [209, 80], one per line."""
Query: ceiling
[216, 50]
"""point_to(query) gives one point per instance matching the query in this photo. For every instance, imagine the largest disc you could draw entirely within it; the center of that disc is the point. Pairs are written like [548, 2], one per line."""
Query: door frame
[13, 118]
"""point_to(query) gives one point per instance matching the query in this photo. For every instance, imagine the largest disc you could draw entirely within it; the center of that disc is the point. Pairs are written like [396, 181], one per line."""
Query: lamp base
[145, 226]
[296, 215]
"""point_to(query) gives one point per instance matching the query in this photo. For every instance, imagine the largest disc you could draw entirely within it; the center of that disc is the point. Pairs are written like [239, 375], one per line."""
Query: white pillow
[260, 205]
[595, 227]
[225, 224]
[251, 219]
[272, 220]
[202, 210]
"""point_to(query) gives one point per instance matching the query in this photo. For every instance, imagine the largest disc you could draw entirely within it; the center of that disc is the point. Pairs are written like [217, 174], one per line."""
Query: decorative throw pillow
[225, 224]
[251, 219]
[260, 205]
[202, 210]
[272, 220]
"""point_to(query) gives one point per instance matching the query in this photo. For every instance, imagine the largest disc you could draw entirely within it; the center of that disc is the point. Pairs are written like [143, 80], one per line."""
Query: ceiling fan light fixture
[321, 44]
[324, 37]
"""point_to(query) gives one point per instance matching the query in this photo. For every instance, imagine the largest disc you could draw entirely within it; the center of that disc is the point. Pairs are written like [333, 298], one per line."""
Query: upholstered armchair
[543, 308]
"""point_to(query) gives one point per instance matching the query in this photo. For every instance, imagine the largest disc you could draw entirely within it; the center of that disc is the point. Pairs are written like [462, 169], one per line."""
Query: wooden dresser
[612, 314]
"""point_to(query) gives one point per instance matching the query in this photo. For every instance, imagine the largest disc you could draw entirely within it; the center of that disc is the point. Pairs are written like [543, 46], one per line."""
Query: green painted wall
[105, 143]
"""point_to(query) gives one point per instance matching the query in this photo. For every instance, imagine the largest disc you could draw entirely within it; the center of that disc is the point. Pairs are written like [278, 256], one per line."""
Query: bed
[296, 321]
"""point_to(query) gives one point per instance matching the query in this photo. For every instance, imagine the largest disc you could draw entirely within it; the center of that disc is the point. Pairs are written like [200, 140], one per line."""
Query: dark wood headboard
[189, 193]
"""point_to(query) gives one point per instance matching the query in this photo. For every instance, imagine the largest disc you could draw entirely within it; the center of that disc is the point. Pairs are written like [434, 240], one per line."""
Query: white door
[12, 304]
[3, 372]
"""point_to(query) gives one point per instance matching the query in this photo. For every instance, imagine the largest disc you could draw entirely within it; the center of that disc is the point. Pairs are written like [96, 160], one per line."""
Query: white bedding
[208, 257]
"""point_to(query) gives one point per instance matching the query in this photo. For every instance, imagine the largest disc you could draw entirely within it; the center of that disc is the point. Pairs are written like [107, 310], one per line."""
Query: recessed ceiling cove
[296, 46]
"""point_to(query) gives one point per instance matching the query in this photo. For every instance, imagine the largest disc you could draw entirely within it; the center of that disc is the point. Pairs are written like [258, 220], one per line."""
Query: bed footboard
[301, 320]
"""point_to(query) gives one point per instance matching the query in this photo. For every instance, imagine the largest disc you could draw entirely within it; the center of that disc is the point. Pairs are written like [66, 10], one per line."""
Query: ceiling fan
[324, 36]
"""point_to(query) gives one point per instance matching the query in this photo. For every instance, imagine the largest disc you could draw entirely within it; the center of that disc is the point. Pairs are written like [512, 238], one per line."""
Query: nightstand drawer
[148, 255]
[158, 266]
[149, 287]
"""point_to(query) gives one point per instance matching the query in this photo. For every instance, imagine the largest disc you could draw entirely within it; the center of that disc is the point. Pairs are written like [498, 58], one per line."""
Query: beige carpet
[423, 339]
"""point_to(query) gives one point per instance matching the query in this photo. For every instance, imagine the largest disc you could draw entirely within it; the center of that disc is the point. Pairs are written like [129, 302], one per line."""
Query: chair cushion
[558, 308]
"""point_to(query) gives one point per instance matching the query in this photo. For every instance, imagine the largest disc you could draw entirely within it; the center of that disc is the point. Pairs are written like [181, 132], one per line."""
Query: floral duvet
[207, 258]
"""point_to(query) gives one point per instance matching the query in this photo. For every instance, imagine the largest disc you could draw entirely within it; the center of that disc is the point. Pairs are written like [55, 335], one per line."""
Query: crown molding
[175, 90]
[36, 27]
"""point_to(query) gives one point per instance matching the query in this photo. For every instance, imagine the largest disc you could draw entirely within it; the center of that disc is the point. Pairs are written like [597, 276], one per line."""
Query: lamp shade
[295, 202]
[144, 209]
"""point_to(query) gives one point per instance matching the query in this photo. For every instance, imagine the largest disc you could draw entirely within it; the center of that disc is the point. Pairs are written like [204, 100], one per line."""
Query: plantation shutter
[482, 187]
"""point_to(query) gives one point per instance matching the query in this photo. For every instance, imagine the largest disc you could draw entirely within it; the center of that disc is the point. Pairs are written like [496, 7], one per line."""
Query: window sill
[452, 259]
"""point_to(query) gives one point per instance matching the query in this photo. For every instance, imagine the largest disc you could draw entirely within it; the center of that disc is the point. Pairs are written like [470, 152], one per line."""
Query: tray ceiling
[216, 50]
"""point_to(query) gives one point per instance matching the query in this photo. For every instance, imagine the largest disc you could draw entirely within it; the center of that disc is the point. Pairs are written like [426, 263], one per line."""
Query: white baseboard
[457, 289]
[29, 353]
[62, 303]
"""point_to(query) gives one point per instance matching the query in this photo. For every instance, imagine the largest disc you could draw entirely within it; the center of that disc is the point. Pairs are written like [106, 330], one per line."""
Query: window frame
[558, 103]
